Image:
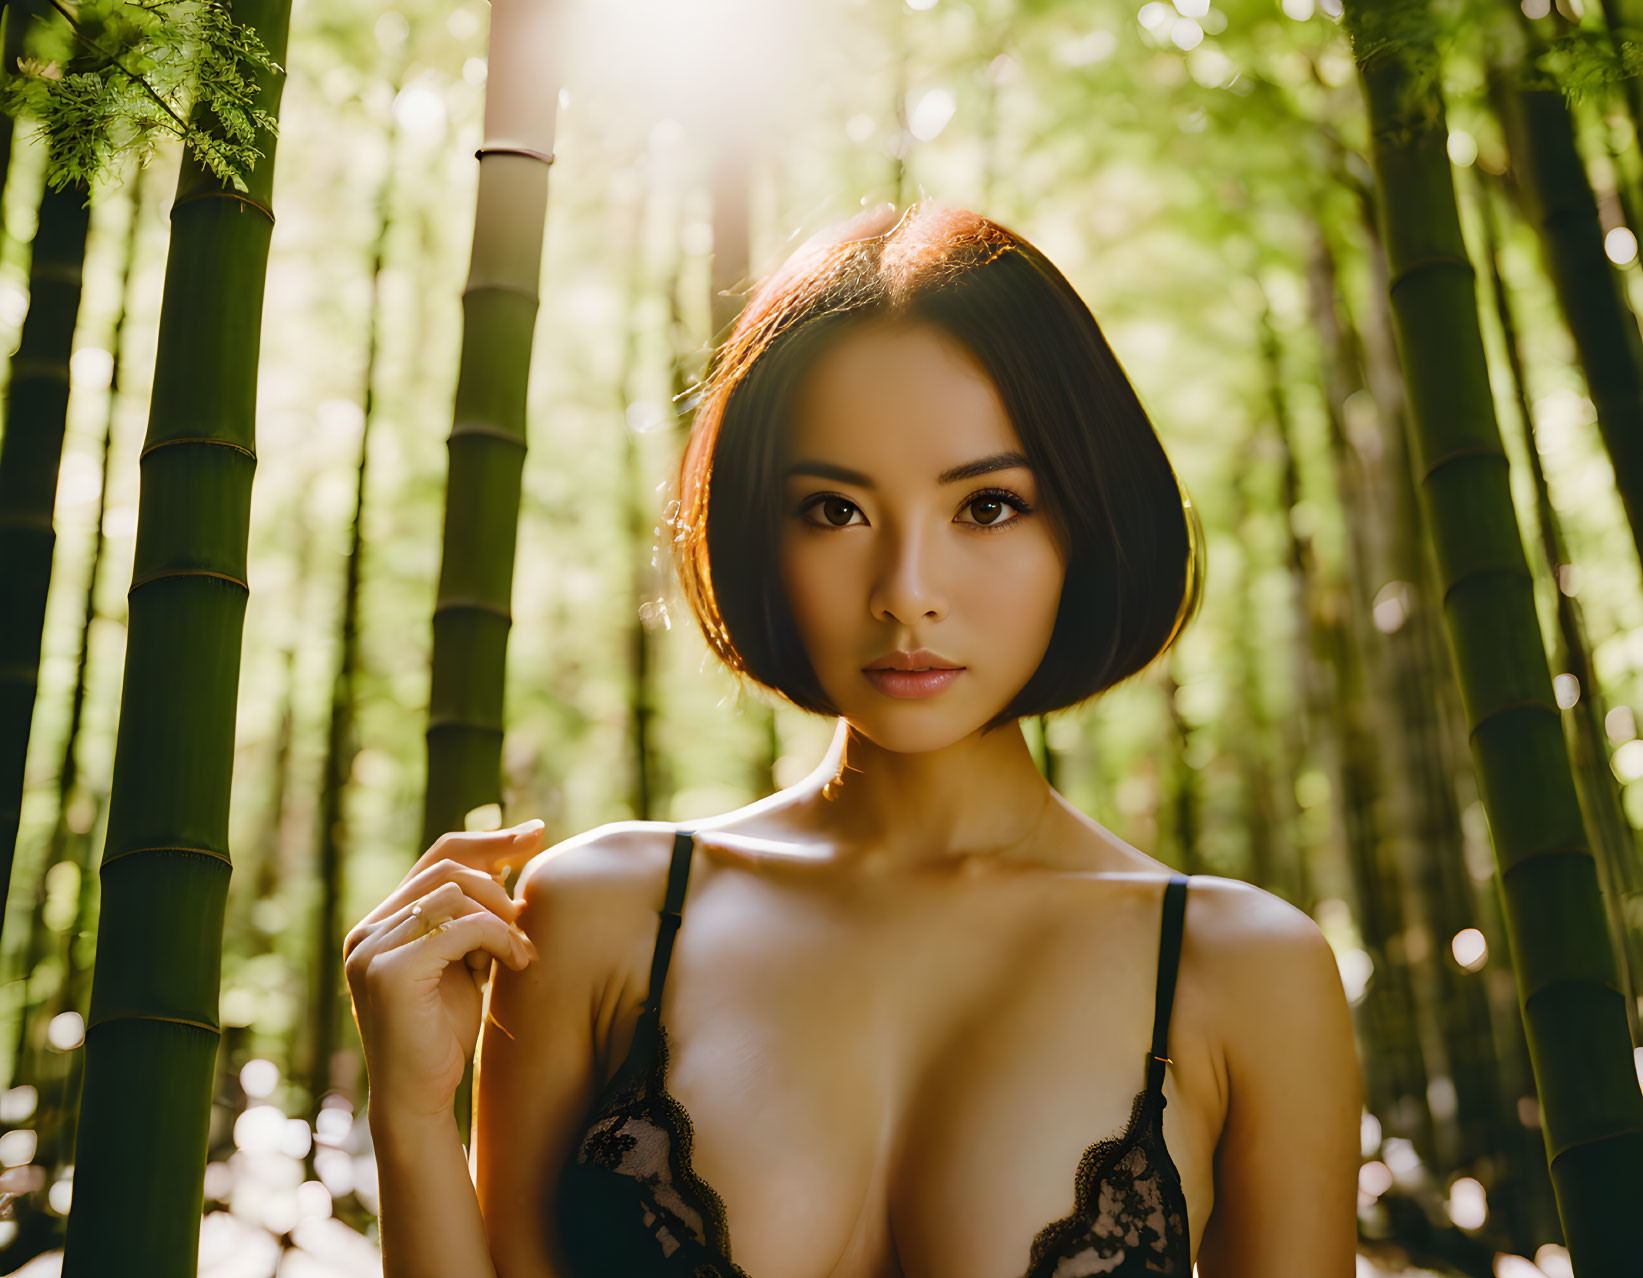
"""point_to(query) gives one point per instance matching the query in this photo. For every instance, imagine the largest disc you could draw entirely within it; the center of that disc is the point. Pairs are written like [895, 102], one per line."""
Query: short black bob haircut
[1133, 541]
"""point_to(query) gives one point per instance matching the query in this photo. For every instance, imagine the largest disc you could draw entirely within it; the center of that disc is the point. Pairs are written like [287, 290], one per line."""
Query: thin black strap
[1169, 957]
[672, 911]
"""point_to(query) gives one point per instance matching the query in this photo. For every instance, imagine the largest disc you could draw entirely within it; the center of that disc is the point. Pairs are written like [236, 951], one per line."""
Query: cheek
[1013, 585]
[1018, 608]
[814, 582]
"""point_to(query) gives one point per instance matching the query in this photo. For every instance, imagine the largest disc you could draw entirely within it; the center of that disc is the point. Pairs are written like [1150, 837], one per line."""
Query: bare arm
[1286, 1168]
[576, 906]
[416, 967]
[584, 901]
[428, 1211]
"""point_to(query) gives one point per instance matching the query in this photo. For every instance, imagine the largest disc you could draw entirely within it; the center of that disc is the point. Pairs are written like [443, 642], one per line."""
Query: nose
[907, 585]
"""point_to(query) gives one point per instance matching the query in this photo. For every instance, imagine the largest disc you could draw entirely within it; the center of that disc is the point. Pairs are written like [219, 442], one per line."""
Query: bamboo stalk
[1557, 196]
[79, 844]
[1591, 1107]
[487, 442]
[153, 1033]
[1615, 843]
[36, 940]
[31, 455]
[1489, 1131]
[1371, 780]
[473, 609]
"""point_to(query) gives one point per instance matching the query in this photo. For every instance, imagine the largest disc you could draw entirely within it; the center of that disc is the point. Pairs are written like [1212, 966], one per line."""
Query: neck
[978, 800]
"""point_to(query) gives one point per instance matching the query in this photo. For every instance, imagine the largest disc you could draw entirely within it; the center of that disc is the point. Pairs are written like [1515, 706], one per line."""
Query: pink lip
[908, 684]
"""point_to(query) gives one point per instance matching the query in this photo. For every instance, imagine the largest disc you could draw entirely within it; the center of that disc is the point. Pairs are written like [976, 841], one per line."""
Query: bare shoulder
[1258, 950]
[594, 892]
[541, 1059]
[608, 861]
[1295, 1089]
[1242, 914]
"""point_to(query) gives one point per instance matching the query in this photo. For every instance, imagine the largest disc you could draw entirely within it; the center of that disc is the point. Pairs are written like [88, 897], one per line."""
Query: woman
[926, 1017]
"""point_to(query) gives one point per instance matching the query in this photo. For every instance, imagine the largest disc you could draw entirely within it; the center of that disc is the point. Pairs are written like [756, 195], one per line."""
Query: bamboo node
[195, 439]
[212, 194]
[1511, 570]
[449, 723]
[70, 273]
[1540, 854]
[467, 603]
[1474, 450]
[187, 572]
[209, 853]
[55, 370]
[1508, 707]
[150, 1016]
[497, 286]
[1618, 1134]
[545, 156]
[491, 432]
[1420, 264]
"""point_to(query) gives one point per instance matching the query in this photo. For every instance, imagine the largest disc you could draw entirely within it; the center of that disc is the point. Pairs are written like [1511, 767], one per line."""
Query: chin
[915, 727]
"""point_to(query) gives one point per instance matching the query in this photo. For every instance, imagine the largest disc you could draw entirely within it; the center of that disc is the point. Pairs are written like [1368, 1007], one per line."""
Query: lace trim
[1129, 1214]
[643, 1133]
[1128, 1206]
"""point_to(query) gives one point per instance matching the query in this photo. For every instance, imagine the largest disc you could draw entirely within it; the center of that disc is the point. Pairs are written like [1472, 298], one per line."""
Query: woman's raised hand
[418, 963]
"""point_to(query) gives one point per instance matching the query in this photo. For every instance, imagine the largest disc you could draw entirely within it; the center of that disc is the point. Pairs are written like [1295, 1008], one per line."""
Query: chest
[905, 1087]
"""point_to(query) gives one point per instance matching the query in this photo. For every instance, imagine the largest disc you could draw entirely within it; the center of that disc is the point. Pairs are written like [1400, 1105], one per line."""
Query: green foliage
[1584, 61]
[126, 73]
[1410, 32]
[1408, 29]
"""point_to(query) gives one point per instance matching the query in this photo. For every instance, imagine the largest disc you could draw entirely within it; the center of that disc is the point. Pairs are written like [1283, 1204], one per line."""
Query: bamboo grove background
[1373, 272]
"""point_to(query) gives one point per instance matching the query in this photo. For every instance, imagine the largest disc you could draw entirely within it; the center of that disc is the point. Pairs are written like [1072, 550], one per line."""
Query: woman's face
[882, 549]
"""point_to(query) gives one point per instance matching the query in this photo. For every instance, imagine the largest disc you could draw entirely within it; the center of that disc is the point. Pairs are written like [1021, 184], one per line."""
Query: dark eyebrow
[969, 470]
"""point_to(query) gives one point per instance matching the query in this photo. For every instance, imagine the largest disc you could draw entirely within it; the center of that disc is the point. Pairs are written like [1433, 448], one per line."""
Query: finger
[481, 931]
[476, 929]
[439, 908]
[486, 850]
[447, 903]
[480, 886]
[401, 924]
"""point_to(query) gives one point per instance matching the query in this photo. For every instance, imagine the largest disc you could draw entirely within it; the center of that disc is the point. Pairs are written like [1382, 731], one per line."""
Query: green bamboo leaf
[133, 71]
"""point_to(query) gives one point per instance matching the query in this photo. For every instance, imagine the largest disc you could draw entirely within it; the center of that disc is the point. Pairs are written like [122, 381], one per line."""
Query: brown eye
[835, 510]
[987, 509]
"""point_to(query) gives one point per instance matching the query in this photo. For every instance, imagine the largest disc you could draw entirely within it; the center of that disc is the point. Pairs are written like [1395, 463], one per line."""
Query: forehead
[889, 388]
